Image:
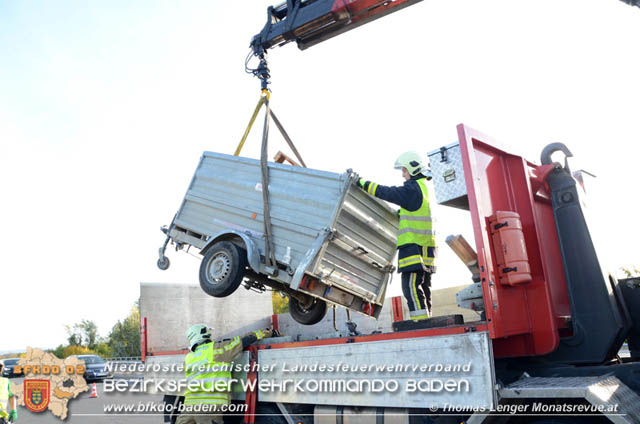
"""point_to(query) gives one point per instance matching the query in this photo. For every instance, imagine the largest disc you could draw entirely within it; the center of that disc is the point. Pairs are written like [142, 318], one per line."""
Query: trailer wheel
[310, 313]
[222, 269]
[163, 263]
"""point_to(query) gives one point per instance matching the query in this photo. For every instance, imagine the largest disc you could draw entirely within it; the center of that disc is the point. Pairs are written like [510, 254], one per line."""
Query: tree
[58, 352]
[76, 350]
[84, 333]
[74, 335]
[90, 333]
[103, 349]
[83, 338]
[124, 339]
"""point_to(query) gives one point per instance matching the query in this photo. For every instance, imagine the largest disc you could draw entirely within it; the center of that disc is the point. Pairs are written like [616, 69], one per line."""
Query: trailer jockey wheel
[308, 313]
[222, 269]
[163, 263]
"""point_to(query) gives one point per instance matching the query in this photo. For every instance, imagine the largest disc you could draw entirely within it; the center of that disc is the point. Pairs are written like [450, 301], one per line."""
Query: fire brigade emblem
[36, 394]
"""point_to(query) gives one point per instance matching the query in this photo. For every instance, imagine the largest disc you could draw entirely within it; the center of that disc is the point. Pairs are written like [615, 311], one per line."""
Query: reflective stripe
[416, 259]
[197, 353]
[211, 378]
[419, 314]
[408, 259]
[259, 334]
[208, 385]
[189, 401]
[426, 259]
[415, 231]
[416, 299]
[372, 188]
[208, 378]
[214, 380]
[4, 388]
[209, 398]
[407, 264]
[233, 344]
[416, 227]
[202, 350]
[429, 261]
[4, 393]
[210, 395]
[416, 218]
[196, 365]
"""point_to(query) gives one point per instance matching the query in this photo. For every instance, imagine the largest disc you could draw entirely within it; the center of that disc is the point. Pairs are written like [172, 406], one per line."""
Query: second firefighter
[416, 236]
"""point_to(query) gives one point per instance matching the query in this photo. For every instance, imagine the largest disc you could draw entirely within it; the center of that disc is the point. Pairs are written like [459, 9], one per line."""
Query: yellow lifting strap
[270, 257]
[264, 100]
[264, 97]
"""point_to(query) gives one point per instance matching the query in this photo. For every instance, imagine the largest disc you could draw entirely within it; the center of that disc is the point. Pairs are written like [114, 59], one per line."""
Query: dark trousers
[416, 287]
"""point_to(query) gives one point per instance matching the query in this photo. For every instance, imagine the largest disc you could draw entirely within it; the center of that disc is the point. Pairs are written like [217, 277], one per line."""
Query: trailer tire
[307, 315]
[163, 263]
[222, 269]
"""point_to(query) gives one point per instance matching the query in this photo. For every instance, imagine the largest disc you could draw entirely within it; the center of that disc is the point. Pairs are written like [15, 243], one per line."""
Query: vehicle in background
[9, 365]
[95, 367]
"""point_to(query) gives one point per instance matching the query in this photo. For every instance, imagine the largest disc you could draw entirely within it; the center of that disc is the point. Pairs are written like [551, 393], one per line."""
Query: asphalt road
[85, 409]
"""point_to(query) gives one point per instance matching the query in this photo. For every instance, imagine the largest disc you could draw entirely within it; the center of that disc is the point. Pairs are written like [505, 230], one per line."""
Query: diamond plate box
[448, 176]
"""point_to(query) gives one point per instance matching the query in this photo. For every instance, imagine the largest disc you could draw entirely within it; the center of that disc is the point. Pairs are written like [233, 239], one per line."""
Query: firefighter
[208, 364]
[416, 237]
[7, 400]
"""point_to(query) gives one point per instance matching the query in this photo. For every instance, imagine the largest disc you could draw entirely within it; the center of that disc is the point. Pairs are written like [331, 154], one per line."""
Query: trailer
[545, 341]
[330, 241]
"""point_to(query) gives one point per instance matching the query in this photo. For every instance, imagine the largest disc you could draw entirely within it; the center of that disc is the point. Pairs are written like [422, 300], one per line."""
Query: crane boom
[310, 22]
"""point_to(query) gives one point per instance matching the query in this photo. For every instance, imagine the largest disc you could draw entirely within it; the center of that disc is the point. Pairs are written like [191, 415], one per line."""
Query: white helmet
[413, 162]
[198, 333]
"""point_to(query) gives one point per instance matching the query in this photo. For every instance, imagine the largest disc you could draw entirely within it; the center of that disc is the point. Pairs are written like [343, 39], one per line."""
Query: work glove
[264, 334]
[270, 332]
[13, 416]
[362, 183]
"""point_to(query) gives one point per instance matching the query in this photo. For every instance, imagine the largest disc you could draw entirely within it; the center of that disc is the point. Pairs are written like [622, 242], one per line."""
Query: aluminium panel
[226, 193]
[359, 256]
[474, 387]
[606, 392]
[448, 176]
[229, 316]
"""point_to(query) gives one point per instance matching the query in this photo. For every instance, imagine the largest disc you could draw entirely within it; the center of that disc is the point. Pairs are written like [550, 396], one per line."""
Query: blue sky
[106, 107]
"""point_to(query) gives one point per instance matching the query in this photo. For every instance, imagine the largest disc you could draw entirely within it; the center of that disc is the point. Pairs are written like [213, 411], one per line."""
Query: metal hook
[545, 156]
